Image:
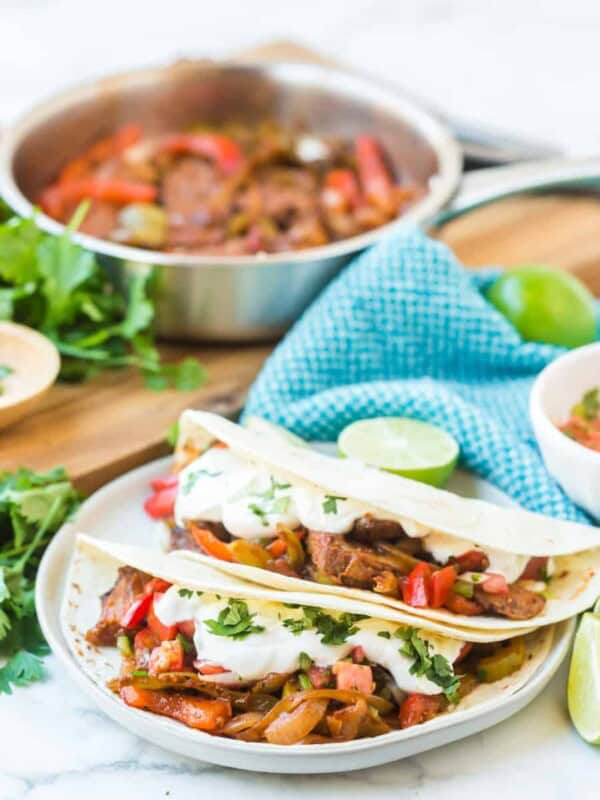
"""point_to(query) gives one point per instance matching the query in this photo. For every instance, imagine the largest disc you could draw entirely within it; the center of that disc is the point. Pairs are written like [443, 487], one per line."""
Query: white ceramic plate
[115, 512]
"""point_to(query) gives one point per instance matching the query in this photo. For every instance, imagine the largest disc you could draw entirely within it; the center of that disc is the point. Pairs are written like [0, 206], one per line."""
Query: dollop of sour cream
[278, 649]
[252, 503]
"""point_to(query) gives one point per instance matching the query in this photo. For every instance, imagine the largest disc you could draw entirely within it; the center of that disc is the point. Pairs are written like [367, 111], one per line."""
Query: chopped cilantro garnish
[330, 503]
[259, 512]
[184, 592]
[192, 478]
[4, 371]
[436, 668]
[384, 634]
[332, 631]
[234, 621]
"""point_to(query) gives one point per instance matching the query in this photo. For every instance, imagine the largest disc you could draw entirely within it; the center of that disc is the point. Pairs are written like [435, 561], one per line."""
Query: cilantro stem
[39, 535]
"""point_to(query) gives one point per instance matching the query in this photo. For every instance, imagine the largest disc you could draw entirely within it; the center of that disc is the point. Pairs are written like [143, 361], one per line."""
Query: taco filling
[236, 510]
[261, 670]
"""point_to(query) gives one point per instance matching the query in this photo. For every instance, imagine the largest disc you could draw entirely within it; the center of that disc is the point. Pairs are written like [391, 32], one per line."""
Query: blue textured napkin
[405, 330]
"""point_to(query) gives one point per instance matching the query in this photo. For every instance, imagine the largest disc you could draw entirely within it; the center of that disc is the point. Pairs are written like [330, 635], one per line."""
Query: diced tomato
[320, 677]
[495, 584]
[211, 544]
[145, 640]
[225, 152]
[164, 632]
[418, 708]
[158, 484]
[463, 652]
[375, 179]
[136, 613]
[355, 677]
[209, 669]
[162, 503]
[461, 605]
[195, 712]
[277, 547]
[357, 654]
[440, 586]
[167, 657]
[156, 585]
[472, 561]
[535, 569]
[187, 628]
[415, 587]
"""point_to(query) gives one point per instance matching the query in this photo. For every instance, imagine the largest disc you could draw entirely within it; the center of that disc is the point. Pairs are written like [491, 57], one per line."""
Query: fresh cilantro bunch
[32, 508]
[54, 285]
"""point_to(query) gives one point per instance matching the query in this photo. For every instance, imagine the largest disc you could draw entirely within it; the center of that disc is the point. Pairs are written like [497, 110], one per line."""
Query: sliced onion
[291, 727]
[241, 722]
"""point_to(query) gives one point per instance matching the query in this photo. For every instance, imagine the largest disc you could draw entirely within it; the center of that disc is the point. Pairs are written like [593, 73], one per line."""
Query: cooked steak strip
[369, 530]
[129, 585]
[518, 604]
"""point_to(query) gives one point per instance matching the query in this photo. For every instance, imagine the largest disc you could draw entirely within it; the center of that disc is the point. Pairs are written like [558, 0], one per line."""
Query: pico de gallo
[231, 189]
[232, 509]
[262, 671]
[583, 425]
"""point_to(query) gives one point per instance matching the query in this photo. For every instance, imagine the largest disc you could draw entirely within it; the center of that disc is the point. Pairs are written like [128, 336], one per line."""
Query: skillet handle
[486, 185]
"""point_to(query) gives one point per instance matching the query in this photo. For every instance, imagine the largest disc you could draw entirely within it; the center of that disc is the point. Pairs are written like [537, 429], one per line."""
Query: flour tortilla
[391, 496]
[574, 547]
[93, 571]
[203, 576]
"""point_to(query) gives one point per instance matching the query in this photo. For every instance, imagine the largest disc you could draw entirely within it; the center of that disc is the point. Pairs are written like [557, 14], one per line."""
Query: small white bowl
[555, 391]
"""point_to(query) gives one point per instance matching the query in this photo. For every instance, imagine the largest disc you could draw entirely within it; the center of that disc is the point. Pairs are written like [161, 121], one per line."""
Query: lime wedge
[274, 433]
[404, 446]
[583, 692]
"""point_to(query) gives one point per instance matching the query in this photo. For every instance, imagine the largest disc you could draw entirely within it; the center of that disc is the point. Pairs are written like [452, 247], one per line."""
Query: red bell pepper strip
[209, 669]
[101, 151]
[164, 632]
[415, 587]
[195, 712]
[225, 152]
[164, 483]
[341, 189]
[375, 180]
[277, 547]
[495, 584]
[440, 585]
[210, 544]
[156, 585]
[112, 190]
[161, 504]
[136, 613]
[418, 708]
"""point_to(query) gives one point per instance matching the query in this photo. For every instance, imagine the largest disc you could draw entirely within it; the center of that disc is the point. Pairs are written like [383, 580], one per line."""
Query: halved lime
[274, 432]
[404, 446]
[583, 692]
[546, 305]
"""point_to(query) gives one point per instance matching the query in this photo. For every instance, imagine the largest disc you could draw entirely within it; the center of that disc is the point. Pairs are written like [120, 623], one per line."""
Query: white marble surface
[56, 746]
[525, 65]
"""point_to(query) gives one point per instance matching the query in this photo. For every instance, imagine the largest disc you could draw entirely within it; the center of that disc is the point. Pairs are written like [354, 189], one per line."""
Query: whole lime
[546, 305]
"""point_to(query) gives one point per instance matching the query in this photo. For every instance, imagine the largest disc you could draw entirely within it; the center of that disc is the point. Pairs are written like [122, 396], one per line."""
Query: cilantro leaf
[234, 621]
[330, 503]
[184, 376]
[436, 668]
[21, 669]
[331, 629]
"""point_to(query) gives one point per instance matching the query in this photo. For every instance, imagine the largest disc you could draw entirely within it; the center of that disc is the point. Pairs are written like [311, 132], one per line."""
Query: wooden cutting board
[111, 424]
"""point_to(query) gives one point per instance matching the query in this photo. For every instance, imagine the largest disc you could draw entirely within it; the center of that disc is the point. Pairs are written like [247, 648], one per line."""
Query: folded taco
[185, 641]
[295, 519]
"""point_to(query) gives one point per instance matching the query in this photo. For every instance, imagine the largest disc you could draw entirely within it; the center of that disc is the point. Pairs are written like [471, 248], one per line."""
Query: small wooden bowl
[34, 362]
